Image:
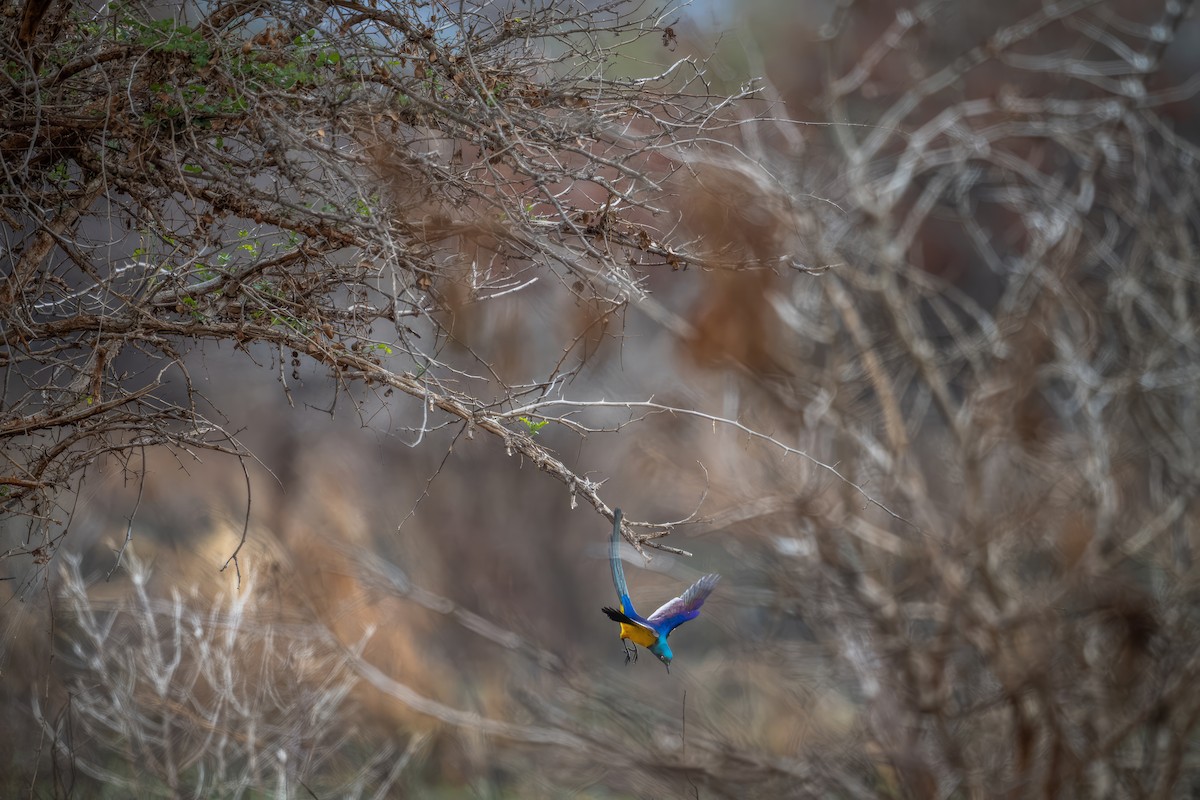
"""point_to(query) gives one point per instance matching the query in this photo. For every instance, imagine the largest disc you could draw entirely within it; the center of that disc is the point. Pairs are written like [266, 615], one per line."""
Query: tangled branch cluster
[1000, 352]
[325, 181]
[221, 700]
[1006, 352]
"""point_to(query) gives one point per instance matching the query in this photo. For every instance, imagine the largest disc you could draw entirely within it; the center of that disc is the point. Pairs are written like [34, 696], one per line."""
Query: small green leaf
[531, 426]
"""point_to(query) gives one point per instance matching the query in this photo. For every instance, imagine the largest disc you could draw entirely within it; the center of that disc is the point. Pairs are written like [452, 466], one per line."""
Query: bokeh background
[938, 437]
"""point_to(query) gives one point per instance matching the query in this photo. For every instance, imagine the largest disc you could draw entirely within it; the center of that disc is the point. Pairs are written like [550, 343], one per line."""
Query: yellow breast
[638, 635]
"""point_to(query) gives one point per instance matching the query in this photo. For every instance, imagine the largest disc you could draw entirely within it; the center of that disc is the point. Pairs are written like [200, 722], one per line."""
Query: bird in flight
[651, 632]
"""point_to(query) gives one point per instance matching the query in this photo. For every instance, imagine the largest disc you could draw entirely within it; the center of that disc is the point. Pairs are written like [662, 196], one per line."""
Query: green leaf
[531, 426]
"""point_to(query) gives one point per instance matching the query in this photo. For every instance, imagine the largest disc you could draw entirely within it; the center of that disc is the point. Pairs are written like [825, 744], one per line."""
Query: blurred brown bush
[930, 391]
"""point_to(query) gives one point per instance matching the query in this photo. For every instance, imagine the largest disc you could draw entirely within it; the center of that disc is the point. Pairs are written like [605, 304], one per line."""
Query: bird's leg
[626, 646]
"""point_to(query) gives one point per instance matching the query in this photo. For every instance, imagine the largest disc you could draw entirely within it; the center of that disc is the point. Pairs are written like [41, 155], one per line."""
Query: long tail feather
[614, 557]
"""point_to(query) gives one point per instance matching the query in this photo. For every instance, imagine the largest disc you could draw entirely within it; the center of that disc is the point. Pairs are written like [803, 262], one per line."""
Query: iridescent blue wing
[675, 612]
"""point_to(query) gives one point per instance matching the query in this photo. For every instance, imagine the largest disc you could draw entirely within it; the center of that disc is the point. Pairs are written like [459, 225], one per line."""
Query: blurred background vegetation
[902, 342]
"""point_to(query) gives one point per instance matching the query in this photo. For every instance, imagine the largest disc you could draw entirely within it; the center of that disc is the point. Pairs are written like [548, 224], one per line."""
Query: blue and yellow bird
[651, 632]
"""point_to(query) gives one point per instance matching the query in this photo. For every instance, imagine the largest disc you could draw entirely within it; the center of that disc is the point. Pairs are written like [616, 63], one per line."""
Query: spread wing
[618, 571]
[675, 612]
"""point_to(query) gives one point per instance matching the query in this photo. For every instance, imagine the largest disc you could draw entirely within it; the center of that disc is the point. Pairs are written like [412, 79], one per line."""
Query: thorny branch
[1002, 347]
[335, 182]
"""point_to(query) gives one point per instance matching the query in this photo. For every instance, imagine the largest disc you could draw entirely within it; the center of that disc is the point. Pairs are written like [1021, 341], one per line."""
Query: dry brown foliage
[924, 362]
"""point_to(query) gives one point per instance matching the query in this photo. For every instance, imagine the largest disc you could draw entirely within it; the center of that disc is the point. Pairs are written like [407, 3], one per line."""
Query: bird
[651, 632]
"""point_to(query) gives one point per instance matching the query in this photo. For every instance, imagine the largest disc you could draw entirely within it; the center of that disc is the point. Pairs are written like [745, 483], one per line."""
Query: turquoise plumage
[651, 632]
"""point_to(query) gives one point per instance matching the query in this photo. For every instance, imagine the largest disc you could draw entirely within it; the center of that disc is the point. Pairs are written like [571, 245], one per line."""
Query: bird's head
[662, 652]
